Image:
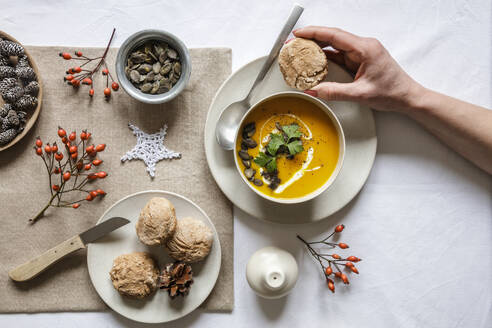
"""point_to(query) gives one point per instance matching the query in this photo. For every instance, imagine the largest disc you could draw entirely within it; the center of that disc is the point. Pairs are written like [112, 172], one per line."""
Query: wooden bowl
[32, 116]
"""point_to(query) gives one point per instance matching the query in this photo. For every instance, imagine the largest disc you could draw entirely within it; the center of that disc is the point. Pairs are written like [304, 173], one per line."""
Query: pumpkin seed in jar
[155, 87]
[166, 68]
[156, 68]
[146, 87]
[135, 76]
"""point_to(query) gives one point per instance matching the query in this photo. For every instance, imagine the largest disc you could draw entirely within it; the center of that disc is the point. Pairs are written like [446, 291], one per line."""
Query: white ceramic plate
[158, 307]
[360, 135]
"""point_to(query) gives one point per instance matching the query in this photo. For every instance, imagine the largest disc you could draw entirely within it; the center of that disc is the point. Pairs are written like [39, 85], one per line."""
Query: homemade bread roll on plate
[157, 222]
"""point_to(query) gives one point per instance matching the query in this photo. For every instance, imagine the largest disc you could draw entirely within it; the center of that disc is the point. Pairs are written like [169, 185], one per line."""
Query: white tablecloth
[422, 223]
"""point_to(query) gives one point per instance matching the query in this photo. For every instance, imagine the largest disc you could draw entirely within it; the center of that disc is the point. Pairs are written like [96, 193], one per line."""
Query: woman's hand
[379, 81]
[382, 84]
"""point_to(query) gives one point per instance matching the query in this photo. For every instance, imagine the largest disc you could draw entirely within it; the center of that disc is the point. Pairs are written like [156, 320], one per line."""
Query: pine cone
[7, 84]
[14, 94]
[22, 117]
[26, 74]
[4, 61]
[32, 88]
[26, 102]
[12, 118]
[5, 109]
[7, 71]
[176, 278]
[7, 136]
[9, 48]
[23, 61]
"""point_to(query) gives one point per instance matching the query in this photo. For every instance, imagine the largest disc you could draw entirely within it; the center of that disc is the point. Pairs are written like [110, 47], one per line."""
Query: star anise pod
[177, 279]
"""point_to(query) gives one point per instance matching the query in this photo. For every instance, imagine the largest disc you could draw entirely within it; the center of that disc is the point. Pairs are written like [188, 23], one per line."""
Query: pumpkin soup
[288, 147]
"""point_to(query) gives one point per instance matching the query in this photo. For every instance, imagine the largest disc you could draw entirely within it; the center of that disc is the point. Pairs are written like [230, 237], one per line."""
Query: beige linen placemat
[24, 186]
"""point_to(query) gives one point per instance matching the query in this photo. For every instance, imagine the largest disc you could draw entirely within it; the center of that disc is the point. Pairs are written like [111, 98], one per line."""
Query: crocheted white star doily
[149, 148]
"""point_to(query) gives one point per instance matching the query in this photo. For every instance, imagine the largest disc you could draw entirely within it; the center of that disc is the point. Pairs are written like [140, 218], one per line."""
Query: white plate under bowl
[158, 307]
[360, 136]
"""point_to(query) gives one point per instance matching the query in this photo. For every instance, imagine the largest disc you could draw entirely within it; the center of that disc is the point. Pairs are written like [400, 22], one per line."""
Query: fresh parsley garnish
[276, 140]
[292, 131]
[272, 166]
[287, 142]
[266, 161]
[295, 147]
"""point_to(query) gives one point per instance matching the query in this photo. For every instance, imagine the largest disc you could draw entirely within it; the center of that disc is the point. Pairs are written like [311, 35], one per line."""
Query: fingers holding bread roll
[303, 63]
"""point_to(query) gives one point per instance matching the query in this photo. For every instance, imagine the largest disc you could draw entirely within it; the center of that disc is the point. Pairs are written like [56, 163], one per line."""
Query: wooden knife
[37, 265]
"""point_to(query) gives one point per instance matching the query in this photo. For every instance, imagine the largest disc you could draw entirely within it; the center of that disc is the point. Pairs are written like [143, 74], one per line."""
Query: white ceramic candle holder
[272, 272]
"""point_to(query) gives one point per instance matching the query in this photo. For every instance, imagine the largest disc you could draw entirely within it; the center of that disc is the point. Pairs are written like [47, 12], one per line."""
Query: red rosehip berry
[79, 165]
[72, 136]
[353, 259]
[58, 156]
[97, 162]
[61, 132]
[78, 53]
[101, 192]
[77, 205]
[65, 55]
[101, 175]
[105, 71]
[115, 86]
[54, 148]
[100, 147]
[92, 176]
[77, 69]
[349, 264]
[354, 269]
[39, 151]
[89, 197]
[68, 77]
[91, 92]
[72, 149]
[336, 256]
[339, 228]
[87, 81]
[107, 92]
[94, 194]
[87, 167]
[344, 279]
[90, 149]
[343, 245]
[83, 135]
[74, 155]
[328, 271]
[331, 285]
[56, 170]
[39, 143]
[75, 82]
[47, 148]
[66, 176]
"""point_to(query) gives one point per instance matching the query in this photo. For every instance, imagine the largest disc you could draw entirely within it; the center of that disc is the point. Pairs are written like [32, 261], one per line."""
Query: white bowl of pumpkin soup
[289, 147]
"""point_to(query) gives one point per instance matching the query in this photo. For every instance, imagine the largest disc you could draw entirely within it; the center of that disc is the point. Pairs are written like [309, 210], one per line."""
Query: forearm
[464, 127]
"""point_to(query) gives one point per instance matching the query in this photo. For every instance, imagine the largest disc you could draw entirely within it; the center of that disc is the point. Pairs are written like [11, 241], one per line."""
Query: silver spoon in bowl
[231, 116]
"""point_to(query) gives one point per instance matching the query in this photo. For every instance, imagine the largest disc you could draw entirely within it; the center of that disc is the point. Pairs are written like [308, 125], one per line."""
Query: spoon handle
[282, 37]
